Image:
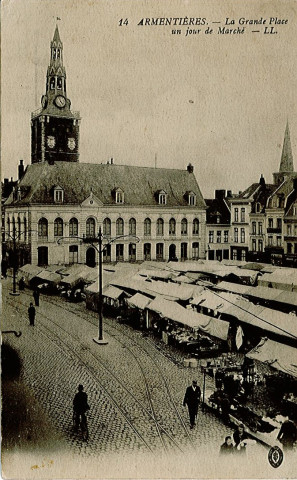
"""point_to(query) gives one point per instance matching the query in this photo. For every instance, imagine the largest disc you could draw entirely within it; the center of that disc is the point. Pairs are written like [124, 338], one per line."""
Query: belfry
[54, 127]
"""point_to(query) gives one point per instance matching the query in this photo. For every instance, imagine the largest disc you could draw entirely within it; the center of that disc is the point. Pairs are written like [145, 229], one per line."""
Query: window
[242, 235]
[132, 226]
[243, 255]
[260, 245]
[107, 227]
[19, 227]
[218, 218]
[160, 227]
[236, 235]
[210, 236]
[73, 254]
[59, 195]
[270, 222]
[73, 227]
[242, 214]
[279, 223]
[226, 236]
[107, 253]
[52, 84]
[289, 229]
[172, 225]
[43, 227]
[90, 227]
[192, 199]
[184, 226]
[289, 247]
[162, 198]
[254, 245]
[196, 226]
[260, 228]
[235, 214]
[8, 226]
[269, 241]
[258, 207]
[147, 227]
[147, 251]
[132, 252]
[254, 228]
[25, 229]
[159, 251]
[58, 227]
[119, 196]
[219, 236]
[120, 226]
[234, 254]
[195, 250]
[278, 241]
[59, 83]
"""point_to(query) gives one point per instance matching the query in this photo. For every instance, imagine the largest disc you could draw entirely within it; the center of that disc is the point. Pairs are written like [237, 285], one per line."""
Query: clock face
[60, 101]
[51, 141]
[44, 101]
[71, 143]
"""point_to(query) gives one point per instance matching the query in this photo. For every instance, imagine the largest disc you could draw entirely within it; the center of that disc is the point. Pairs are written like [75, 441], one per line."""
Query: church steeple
[286, 164]
[55, 128]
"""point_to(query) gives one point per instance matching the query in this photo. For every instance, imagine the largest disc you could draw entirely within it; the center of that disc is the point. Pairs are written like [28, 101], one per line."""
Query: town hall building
[148, 213]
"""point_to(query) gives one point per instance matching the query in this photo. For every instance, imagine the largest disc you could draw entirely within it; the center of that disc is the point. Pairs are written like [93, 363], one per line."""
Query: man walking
[36, 297]
[31, 312]
[192, 399]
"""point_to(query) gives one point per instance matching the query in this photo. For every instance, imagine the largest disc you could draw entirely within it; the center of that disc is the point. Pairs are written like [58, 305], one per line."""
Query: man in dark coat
[80, 406]
[287, 434]
[192, 399]
[31, 312]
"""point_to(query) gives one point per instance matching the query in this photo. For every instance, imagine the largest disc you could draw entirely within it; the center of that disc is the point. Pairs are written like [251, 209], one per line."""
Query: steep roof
[217, 206]
[286, 163]
[78, 180]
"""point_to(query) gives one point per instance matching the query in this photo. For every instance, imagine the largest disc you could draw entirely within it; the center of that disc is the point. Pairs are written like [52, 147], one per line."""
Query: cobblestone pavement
[130, 384]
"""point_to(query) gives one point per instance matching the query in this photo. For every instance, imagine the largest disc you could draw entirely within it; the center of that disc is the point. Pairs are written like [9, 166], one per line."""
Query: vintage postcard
[149, 239]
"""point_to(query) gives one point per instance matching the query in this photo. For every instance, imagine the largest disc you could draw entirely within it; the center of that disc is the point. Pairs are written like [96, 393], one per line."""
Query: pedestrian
[227, 446]
[80, 406]
[4, 268]
[192, 399]
[36, 297]
[287, 434]
[22, 284]
[31, 312]
[239, 438]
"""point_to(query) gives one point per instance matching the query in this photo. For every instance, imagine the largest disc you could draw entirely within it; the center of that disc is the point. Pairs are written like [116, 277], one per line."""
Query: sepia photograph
[149, 239]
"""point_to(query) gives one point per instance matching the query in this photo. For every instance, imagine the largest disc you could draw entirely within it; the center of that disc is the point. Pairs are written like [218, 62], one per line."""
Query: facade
[154, 214]
[218, 226]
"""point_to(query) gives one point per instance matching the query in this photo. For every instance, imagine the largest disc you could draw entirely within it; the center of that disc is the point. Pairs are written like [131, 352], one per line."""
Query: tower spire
[286, 163]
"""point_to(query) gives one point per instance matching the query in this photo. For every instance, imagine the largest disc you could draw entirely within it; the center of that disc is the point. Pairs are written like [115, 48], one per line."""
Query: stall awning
[48, 277]
[155, 273]
[139, 301]
[112, 292]
[278, 356]
[177, 313]
[29, 271]
[232, 287]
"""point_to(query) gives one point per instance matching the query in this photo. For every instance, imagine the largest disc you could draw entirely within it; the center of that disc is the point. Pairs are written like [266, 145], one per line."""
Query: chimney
[111, 161]
[190, 168]
[21, 169]
[229, 193]
[220, 194]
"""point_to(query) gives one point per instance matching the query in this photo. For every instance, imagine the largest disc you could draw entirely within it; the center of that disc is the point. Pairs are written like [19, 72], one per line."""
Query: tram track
[161, 431]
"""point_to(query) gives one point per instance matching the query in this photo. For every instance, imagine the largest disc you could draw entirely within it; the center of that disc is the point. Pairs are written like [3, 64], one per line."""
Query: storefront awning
[139, 301]
[278, 356]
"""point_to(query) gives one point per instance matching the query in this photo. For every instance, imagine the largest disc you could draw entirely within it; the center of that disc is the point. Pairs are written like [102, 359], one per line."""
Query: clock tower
[54, 127]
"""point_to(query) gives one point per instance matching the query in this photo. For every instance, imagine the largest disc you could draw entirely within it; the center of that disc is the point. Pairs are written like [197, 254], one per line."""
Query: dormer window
[58, 195]
[162, 197]
[218, 218]
[192, 199]
[258, 207]
[119, 195]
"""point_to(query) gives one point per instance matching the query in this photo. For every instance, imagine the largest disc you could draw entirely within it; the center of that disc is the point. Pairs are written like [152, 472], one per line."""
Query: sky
[148, 97]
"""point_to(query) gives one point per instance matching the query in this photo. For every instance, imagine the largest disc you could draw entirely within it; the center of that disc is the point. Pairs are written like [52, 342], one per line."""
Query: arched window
[73, 227]
[90, 227]
[120, 226]
[43, 228]
[184, 226]
[107, 226]
[132, 226]
[52, 84]
[172, 224]
[19, 227]
[196, 226]
[147, 226]
[160, 226]
[58, 227]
